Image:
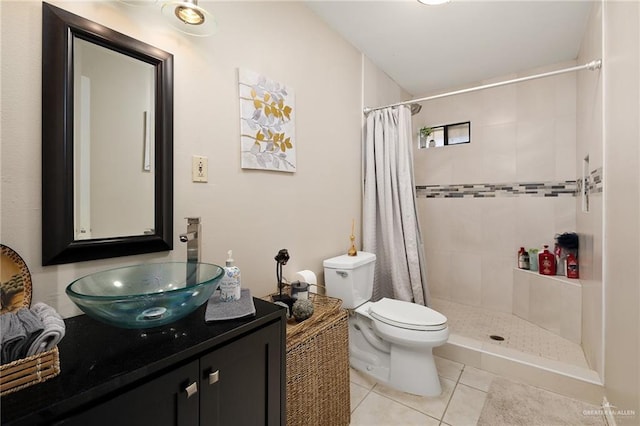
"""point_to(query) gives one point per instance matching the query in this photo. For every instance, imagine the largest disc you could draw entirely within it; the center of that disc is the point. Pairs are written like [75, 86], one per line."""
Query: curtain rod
[593, 65]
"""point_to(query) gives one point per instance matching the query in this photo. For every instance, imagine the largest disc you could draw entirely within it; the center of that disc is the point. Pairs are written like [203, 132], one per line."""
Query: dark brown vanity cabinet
[240, 382]
[235, 384]
[229, 373]
[161, 401]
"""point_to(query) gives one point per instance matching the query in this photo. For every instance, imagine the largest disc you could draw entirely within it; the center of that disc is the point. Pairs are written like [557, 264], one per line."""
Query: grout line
[460, 374]
[413, 408]
[365, 396]
[404, 405]
[430, 416]
[473, 387]
[452, 393]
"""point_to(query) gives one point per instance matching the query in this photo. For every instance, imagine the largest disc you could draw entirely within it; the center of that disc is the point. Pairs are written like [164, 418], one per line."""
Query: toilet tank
[350, 278]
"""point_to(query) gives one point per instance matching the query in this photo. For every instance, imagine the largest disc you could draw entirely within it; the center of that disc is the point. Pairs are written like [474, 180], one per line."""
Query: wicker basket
[29, 371]
[318, 366]
[35, 369]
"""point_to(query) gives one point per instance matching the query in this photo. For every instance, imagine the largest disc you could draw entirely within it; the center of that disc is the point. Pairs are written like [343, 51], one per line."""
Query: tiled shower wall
[512, 186]
[589, 225]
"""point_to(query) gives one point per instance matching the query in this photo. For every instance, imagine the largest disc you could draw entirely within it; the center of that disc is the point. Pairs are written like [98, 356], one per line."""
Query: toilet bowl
[390, 340]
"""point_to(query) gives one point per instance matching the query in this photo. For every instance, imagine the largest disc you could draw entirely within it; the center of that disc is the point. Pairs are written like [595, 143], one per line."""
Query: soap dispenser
[230, 282]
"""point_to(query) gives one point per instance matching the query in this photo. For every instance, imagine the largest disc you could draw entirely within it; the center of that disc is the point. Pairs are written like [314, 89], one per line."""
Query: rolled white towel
[54, 329]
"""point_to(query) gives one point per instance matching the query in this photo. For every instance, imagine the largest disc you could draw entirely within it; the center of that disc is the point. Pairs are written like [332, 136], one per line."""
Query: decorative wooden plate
[15, 281]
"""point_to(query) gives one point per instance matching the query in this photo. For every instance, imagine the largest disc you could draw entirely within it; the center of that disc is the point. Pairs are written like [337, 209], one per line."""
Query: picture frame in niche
[267, 123]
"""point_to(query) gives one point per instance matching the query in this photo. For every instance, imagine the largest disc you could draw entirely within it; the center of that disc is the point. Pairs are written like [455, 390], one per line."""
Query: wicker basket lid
[15, 281]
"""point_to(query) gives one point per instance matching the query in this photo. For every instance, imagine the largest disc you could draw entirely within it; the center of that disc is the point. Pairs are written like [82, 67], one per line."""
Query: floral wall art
[267, 125]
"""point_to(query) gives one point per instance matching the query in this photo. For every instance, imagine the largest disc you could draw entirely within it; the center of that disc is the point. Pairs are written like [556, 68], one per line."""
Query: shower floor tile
[479, 323]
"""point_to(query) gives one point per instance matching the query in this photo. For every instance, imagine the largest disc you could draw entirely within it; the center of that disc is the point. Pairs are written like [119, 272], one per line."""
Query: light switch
[200, 169]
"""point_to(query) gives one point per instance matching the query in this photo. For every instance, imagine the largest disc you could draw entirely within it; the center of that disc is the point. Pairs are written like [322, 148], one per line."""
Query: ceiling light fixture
[188, 17]
[433, 2]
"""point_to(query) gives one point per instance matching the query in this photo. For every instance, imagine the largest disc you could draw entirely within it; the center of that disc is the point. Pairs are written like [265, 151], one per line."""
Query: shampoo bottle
[546, 262]
[523, 259]
[572, 266]
[230, 282]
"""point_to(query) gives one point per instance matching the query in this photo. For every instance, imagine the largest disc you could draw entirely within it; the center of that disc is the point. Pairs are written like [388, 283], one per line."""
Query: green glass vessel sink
[147, 295]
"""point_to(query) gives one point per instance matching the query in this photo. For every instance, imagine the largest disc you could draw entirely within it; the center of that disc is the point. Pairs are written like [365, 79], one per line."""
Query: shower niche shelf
[559, 278]
[552, 302]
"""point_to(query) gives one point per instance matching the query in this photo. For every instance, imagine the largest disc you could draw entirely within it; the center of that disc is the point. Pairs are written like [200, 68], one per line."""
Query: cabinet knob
[191, 390]
[214, 377]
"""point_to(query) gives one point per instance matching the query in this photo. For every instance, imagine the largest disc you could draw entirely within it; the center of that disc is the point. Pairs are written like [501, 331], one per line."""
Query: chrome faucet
[192, 238]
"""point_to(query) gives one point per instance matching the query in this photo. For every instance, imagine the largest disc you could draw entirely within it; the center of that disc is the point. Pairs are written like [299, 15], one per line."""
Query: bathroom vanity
[185, 373]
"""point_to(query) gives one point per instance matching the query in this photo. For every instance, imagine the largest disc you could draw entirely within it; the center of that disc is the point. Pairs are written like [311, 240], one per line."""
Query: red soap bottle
[546, 262]
[572, 266]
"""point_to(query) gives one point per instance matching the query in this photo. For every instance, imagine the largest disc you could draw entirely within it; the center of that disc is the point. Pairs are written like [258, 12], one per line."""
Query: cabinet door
[161, 401]
[240, 382]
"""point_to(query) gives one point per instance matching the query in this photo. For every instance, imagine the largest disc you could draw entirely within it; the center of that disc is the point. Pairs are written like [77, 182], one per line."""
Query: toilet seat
[407, 315]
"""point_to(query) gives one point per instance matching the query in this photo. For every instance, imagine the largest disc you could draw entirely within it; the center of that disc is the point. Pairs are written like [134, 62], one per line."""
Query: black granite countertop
[97, 360]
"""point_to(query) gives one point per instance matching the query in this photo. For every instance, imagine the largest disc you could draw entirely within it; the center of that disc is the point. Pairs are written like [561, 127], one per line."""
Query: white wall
[255, 213]
[519, 133]
[622, 206]
[378, 88]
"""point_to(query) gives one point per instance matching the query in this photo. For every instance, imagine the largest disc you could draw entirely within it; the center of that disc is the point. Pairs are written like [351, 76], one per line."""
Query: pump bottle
[230, 282]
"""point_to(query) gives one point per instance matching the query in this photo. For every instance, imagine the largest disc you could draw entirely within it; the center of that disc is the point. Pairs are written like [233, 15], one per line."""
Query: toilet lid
[407, 315]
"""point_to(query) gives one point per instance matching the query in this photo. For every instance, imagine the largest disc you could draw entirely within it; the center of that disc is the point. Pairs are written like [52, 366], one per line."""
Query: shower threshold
[527, 353]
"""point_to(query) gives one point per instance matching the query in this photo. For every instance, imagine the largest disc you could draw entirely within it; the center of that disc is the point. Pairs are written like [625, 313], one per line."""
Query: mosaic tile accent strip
[568, 188]
[594, 182]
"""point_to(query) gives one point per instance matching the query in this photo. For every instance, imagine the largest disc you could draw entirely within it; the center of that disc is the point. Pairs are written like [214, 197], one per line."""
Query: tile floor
[464, 390]
[478, 323]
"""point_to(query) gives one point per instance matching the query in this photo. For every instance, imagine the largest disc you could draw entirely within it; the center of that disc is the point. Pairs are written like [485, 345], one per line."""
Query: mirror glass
[107, 142]
[113, 149]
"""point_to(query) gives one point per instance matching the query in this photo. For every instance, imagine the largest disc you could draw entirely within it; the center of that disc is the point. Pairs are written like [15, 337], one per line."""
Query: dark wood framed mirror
[93, 174]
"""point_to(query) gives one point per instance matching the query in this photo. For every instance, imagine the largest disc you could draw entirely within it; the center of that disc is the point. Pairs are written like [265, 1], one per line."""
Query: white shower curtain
[390, 224]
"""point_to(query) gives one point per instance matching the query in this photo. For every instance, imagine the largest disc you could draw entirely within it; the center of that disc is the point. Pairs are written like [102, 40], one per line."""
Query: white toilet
[390, 340]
